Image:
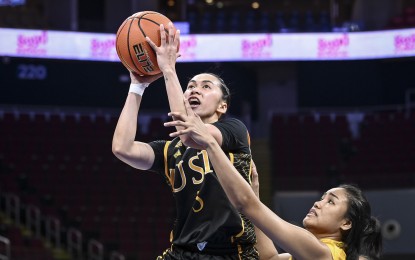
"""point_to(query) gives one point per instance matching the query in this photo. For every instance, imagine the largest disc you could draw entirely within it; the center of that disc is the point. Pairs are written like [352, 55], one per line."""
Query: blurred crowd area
[215, 16]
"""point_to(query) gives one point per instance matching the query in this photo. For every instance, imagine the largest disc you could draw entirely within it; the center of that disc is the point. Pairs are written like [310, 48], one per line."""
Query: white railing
[53, 232]
[74, 240]
[6, 242]
[116, 256]
[95, 250]
[33, 219]
[13, 207]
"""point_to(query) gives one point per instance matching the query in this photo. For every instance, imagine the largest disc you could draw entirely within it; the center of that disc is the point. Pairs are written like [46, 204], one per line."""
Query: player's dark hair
[364, 237]
[225, 90]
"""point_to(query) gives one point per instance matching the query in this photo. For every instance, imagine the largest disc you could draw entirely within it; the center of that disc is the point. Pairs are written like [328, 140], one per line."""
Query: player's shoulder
[161, 145]
[158, 142]
[231, 121]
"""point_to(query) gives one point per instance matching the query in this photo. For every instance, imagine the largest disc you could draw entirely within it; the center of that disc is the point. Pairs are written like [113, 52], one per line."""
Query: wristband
[138, 88]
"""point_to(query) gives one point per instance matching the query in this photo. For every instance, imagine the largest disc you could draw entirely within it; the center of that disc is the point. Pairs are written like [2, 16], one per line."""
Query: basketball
[131, 45]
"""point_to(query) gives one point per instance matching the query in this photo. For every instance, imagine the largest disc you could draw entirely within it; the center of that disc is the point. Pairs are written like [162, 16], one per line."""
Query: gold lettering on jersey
[198, 199]
[206, 162]
[167, 171]
[179, 143]
[196, 169]
[170, 176]
[177, 154]
[183, 177]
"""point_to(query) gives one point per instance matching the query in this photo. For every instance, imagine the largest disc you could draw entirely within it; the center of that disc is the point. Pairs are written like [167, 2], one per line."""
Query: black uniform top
[205, 217]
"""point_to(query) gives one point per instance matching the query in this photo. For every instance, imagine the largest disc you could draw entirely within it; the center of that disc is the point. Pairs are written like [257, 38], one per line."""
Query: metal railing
[74, 241]
[53, 231]
[6, 242]
[12, 207]
[33, 219]
[95, 250]
[116, 256]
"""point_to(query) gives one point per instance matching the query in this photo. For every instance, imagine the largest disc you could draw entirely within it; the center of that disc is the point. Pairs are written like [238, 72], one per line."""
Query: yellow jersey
[336, 249]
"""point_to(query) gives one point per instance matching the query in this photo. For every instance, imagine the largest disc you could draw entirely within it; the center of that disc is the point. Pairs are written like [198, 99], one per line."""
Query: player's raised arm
[167, 54]
[140, 60]
[137, 154]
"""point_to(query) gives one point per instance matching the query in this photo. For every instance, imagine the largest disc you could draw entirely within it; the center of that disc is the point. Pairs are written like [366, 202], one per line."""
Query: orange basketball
[132, 48]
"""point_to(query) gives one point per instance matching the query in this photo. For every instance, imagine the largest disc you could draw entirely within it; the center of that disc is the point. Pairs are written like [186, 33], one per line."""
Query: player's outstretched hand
[135, 78]
[192, 125]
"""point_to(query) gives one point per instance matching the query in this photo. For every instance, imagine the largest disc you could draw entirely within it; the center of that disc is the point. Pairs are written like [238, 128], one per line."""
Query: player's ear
[222, 107]
[346, 225]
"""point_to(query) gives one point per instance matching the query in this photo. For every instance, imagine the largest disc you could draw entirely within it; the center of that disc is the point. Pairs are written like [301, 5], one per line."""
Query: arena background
[313, 124]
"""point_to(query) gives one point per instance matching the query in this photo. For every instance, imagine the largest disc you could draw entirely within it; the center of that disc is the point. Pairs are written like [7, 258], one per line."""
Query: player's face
[204, 94]
[327, 216]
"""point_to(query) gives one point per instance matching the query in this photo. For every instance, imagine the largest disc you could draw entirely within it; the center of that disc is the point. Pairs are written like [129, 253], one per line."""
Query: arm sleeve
[235, 136]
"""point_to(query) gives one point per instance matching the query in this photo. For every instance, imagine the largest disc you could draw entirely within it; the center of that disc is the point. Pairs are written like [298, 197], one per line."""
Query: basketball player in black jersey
[207, 226]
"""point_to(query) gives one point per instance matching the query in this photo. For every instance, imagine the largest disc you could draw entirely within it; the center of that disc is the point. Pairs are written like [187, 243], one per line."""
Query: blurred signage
[12, 2]
[218, 47]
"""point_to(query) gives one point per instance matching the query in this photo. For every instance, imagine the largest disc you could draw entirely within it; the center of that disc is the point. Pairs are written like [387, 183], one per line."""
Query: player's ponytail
[371, 240]
[364, 237]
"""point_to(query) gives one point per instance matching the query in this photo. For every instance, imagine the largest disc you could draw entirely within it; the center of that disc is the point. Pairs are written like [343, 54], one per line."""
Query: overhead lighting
[171, 3]
[255, 5]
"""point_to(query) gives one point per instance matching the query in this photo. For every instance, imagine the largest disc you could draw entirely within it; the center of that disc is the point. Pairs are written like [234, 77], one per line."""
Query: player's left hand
[167, 52]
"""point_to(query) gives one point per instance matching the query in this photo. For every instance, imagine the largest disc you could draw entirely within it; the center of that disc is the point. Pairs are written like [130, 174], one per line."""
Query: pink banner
[217, 47]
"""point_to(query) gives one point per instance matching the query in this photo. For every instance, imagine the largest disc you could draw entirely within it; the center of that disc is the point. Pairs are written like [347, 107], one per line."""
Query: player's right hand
[192, 125]
[135, 78]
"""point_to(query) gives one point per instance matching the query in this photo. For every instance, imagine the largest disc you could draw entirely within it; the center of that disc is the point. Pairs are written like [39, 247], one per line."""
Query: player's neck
[210, 119]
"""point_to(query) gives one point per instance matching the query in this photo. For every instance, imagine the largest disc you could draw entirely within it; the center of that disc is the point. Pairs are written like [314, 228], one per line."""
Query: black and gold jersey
[205, 217]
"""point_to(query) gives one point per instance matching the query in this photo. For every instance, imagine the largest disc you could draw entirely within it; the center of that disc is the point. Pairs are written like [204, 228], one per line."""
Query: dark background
[103, 84]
